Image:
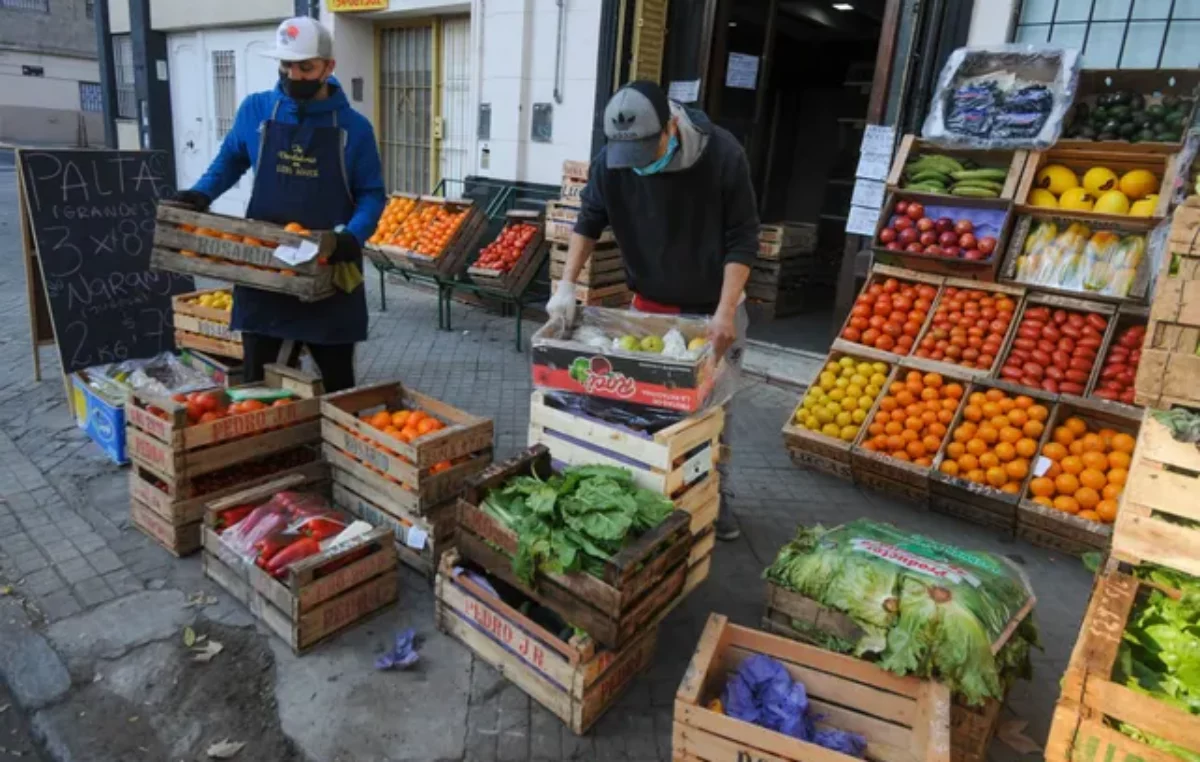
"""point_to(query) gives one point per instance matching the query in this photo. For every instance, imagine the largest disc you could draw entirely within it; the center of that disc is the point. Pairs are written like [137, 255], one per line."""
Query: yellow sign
[351, 6]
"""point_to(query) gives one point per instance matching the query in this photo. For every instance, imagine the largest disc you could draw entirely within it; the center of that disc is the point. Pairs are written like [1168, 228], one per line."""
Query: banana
[928, 187]
[973, 192]
[980, 174]
[930, 174]
[935, 162]
[986, 184]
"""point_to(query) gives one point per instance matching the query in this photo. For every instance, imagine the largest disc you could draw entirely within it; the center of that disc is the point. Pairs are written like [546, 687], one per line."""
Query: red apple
[952, 251]
[943, 224]
[907, 236]
[901, 207]
[964, 226]
[924, 224]
[915, 211]
[894, 246]
[902, 223]
[934, 250]
[915, 248]
[974, 254]
[987, 244]
[887, 235]
[967, 241]
[928, 238]
[948, 238]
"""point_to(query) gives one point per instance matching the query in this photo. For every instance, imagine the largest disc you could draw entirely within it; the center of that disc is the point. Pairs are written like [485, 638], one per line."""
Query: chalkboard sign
[92, 215]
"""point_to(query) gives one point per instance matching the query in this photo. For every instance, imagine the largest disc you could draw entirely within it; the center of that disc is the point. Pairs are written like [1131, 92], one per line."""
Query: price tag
[698, 466]
[873, 166]
[416, 538]
[862, 220]
[1041, 465]
[296, 255]
[867, 193]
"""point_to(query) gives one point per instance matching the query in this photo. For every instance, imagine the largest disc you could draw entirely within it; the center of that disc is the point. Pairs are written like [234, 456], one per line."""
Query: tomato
[914, 211]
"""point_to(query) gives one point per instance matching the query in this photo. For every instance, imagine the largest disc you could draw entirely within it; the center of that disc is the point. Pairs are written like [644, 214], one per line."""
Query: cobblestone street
[96, 608]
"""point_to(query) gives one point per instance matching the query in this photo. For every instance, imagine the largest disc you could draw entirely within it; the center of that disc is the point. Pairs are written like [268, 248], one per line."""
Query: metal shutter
[649, 39]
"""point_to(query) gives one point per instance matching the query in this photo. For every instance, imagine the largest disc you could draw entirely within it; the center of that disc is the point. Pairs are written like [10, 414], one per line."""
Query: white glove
[562, 303]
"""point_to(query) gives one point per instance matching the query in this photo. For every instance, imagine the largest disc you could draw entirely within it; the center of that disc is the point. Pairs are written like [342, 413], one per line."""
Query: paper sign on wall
[684, 91]
[862, 220]
[742, 71]
[875, 153]
[868, 193]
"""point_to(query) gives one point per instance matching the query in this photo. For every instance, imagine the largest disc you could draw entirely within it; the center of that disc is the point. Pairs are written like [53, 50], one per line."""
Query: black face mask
[300, 89]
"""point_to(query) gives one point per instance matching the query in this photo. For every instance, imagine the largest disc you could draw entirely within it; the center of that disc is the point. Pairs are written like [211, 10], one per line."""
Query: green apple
[652, 344]
[628, 343]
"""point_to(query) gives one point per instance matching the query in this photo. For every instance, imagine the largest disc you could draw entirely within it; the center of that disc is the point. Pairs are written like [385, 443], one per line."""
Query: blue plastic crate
[103, 421]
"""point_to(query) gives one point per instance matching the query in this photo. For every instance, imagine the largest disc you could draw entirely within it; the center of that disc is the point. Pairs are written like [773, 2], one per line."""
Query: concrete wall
[30, 125]
[990, 22]
[170, 15]
[46, 109]
[65, 30]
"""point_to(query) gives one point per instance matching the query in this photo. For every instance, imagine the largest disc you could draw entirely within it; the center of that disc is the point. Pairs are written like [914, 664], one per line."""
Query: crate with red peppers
[303, 567]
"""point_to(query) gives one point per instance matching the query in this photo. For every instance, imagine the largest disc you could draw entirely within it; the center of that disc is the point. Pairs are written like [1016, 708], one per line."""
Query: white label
[878, 138]
[868, 193]
[1041, 465]
[873, 166]
[742, 71]
[160, 68]
[684, 90]
[296, 255]
[416, 538]
[698, 466]
[862, 220]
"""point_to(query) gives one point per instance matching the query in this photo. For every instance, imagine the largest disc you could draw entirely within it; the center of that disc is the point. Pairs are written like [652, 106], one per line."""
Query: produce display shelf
[1079, 161]
[947, 206]
[911, 145]
[1151, 84]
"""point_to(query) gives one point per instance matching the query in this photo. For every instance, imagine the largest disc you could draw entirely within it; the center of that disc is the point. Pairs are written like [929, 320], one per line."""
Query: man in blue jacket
[315, 163]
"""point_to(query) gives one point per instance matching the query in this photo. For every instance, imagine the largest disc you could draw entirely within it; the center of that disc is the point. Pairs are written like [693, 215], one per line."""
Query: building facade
[49, 75]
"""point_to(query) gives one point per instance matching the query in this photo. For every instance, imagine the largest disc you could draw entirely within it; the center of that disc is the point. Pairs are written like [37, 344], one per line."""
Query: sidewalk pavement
[92, 629]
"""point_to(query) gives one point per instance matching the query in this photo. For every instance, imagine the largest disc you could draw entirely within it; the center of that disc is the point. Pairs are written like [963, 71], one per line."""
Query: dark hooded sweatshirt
[678, 229]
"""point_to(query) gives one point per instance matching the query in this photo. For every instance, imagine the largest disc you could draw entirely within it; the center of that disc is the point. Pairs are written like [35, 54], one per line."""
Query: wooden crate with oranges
[438, 234]
[409, 446]
[1158, 515]
[243, 252]
[1071, 502]
[981, 472]
[905, 430]
[383, 247]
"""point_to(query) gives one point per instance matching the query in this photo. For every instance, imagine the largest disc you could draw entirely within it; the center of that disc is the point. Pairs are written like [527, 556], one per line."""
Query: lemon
[858, 416]
[858, 380]
[850, 403]
[812, 424]
[1057, 179]
[841, 383]
[878, 380]
[1076, 199]
[880, 367]
[846, 362]
[872, 390]
[823, 415]
[833, 408]
[837, 395]
[865, 369]
[854, 390]
[831, 430]
[843, 419]
[833, 367]
[1112, 202]
[827, 380]
[1143, 207]
[808, 402]
[1099, 180]
[864, 403]
[849, 433]
[824, 400]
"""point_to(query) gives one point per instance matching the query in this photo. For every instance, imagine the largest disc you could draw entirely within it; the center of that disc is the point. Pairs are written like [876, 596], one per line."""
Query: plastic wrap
[288, 528]
[1003, 97]
[638, 419]
[1073, 257]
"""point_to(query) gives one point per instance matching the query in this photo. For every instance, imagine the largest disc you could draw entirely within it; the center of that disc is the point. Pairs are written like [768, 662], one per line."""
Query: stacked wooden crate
[202, 323]
[784, 271]
[601, 283]
[177, 466]
[408, 486]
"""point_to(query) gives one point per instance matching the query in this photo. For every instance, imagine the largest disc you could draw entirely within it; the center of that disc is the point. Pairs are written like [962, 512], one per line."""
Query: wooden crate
[572, 190]
[1092, 699]
[576, 169]
[603, 268]
[785, 240]
[226, 256]
[420, 540]
[1014, 292]
[614, 295]
[209, 345]
[1050, 528]
[398, 469]
[222, 372]
[1157, 506]
[1080, 161]
[177, 539]
[881, 273]
[575, 679]
[465, 239]
[902, 718]
[514, 281]
[1151, 83]
[912, 146]
[560, 223]
[638, 583]
[207, 321]
[977, 503]
[320, 595]
[1127, 316]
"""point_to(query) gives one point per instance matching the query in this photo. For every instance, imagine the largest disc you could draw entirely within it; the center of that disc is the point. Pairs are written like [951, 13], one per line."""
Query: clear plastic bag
[1003, 96]
[1072, 256]
[163, 374]
[288, 528]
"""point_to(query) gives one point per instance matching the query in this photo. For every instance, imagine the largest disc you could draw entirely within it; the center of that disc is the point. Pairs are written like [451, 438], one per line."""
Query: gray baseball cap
[633, 123]
[301, 39]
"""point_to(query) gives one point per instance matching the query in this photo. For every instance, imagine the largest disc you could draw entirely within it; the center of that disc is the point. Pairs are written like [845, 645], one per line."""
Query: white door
[212, 73]
[458, 120]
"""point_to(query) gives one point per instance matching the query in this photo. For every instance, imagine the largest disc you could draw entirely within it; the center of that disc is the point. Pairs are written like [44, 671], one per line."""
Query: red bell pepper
[232, 516]
[297, 551]
[320, 528]
[268, 547]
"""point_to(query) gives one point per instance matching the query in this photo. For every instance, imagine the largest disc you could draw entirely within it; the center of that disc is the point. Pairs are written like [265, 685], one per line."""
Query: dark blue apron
[301, 177]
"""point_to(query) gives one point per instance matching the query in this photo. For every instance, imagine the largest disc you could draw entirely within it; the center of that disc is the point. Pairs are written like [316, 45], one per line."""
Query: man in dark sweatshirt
[676, 190]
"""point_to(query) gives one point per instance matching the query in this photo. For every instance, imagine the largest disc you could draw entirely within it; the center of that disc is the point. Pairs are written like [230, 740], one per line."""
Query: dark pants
[335, 362]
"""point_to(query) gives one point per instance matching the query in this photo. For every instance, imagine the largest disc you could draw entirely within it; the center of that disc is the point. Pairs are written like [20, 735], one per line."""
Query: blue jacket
[239, 150]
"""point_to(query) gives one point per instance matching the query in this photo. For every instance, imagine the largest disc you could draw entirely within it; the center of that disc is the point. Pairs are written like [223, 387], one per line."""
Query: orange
[1089, 515]
[915, 450]
[914, 424]
[1097, 461]
[1072, 464]
[1093, 443]
[949, 468]
[1107, 436]
[1053, 471]
[391, 431]
[977, 398]
[1023, 402]
[994, 395]
[1043, 500]
[1123, 443]
[988, 433]
[1006, 405]
[932, 379]
[1011, 488]
[901, 455]
[955, 450]
[875, 429]
[1026, 448]
[1064, 436]
[1039, 413]
[1018, 417]
[908, 435]
[1017, 469]
[1107, 511]
[904, 397]
[1033, 429]
[1054, 451]
[977, 447]
[428, 425]
[977, 475]
[381, 420]
[1066, 503]
[880, 442]
[408, 435]
[893, 428]
[948, 404]
[1087, 498]
[937, 429]
[1066, 484]
[928, 394]
[1005, 451]
[1076, 447]
[1042, 487]
[1010, 434]
[894, 443]
[968, 462]
[913, 377]
[989, 460]
[887, 404]
[1117, 476]
[931, 443]
[990, 410]
[415, 417]
[953, 391]
[945, 416]
[898, 415]
[400, 418]
[1076, 425]
[972, 413]
[1118, 459]
[963, 434]
[996, 476]
[999, 422]
[1111, 491]
[870, 445]
[924, 460]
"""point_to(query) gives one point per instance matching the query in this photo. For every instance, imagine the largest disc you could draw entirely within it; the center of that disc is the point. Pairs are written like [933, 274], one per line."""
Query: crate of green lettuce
[914, 606]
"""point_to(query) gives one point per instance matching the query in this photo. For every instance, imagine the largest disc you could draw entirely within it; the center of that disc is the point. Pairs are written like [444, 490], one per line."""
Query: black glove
[347, 249]
[193, 200]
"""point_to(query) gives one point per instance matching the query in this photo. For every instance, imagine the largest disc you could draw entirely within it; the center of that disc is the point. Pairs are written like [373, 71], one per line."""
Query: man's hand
[562, 303]
[722, 331]
[347, 248]
[192, 200]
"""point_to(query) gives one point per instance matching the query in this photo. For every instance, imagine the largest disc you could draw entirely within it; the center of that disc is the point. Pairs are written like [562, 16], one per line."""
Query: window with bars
[42, 6]
[1117, 34]
[89, 9]
[91, 97]
[224, 90]
[123, 66]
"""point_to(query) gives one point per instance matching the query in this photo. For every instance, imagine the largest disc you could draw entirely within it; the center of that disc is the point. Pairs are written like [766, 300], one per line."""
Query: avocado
[1137, 117]
[1105, 99]
[1168, 136]
[1106, 136]
[1112, 125]
[1170, 102]
[1146, 134]
[1156, 111]
[1138, 102]
[1127, 129]
[1087, 133]
[1122, 97]
[1173, 119]
[1120, 113]
[1100, 114]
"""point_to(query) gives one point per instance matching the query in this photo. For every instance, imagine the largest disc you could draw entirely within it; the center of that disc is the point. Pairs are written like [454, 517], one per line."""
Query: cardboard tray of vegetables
[587, 543]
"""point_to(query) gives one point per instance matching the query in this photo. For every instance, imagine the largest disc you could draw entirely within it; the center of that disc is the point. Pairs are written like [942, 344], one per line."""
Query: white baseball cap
[300, 39]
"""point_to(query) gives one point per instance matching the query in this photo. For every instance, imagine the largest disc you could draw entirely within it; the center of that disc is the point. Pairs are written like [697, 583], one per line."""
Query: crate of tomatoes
[509, 263]
[889, 313]
[285, 259]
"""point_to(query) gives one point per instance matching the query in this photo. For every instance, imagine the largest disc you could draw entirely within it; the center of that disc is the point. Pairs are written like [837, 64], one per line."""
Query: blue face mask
[660, 164]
